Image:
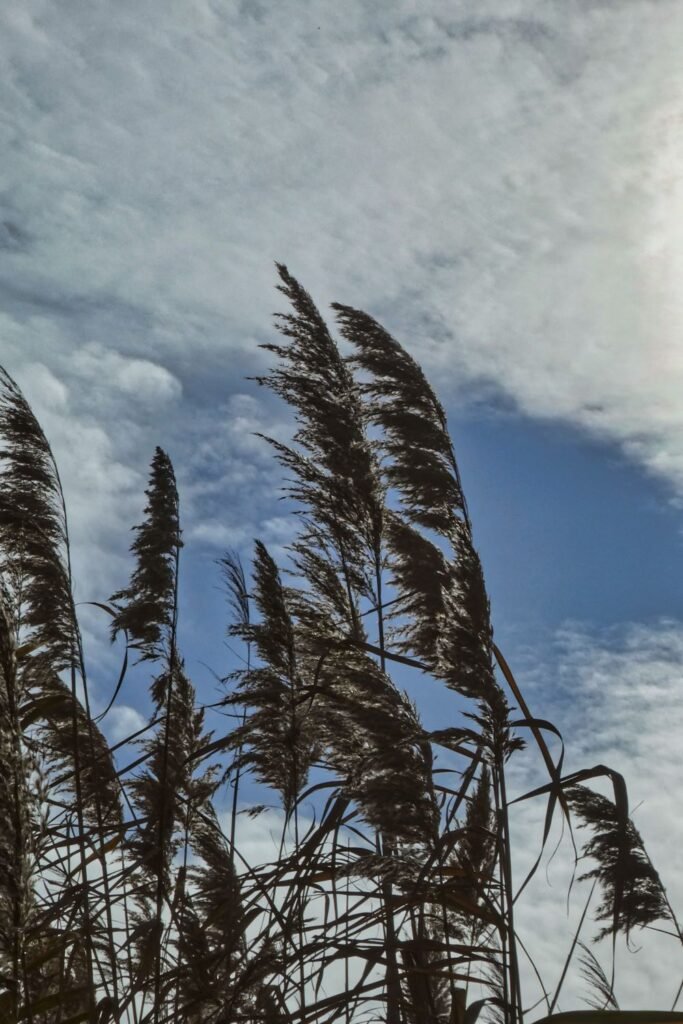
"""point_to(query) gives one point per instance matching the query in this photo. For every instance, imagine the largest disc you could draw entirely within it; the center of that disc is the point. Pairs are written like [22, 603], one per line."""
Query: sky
[500, 184]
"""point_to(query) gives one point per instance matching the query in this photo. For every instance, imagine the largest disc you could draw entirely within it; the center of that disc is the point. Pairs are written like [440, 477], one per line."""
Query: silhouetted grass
[124, 895]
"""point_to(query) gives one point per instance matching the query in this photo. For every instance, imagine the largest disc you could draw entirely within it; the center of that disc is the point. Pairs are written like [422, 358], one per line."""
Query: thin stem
[385, 846]
[172, 665]
[506, 856]
[238, 773]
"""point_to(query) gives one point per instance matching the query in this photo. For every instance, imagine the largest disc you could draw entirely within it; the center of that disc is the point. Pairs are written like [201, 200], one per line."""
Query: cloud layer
[502, 187]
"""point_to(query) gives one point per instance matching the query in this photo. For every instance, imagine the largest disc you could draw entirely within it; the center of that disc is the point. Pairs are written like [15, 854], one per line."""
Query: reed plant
[125, 894]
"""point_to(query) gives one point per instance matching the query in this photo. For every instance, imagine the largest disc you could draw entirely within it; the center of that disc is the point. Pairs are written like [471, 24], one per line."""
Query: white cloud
[109, 372]
[219, 535]
[46, 390]
[121, 722]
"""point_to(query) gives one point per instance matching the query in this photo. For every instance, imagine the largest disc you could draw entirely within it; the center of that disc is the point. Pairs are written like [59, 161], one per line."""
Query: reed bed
[124, 894]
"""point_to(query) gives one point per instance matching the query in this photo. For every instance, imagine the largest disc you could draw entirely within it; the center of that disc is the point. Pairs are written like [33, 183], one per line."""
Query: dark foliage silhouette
[125, 890]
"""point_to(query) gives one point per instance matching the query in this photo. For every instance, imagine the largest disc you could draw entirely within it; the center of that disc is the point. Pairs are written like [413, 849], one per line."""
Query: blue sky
[500, 184]
[568, 527]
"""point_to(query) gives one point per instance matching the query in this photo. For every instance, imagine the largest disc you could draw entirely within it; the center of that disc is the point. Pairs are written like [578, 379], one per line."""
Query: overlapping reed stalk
[124, 892]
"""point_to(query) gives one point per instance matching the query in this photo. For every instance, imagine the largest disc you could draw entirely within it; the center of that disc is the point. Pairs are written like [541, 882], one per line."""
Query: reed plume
[278, 734]
[445, 602]
[633, 896]
[35, 566]
[147, 610]
[33, 532]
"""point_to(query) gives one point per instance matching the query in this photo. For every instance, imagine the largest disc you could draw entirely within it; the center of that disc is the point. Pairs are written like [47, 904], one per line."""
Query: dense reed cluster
[124, 893]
